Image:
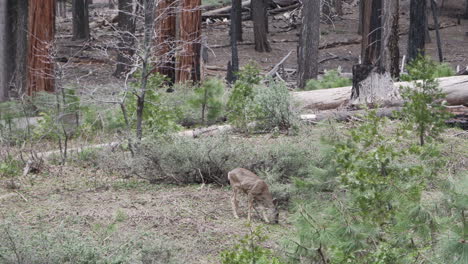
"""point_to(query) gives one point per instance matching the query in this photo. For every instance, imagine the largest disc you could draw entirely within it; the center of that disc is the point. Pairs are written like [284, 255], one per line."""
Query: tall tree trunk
[416, 37]
[360, 16]
[166, 37]
[236, 19]
[40, 46]
[62, 8]
[126, 25]
[21, 49]
[4, 82]
[80, 19]
[372, 83]
[309, 42]
[188, 58]
[260, 26]
[466, 9]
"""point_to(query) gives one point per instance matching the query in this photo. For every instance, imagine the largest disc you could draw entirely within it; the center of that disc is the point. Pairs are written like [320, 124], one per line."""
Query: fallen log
[224, 10]
[455, 88]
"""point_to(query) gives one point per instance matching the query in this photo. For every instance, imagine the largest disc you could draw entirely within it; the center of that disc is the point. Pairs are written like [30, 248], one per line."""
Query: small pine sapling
[207, 97]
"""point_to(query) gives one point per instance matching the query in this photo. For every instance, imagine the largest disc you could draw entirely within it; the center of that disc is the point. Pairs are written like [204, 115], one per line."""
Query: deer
[257, 191]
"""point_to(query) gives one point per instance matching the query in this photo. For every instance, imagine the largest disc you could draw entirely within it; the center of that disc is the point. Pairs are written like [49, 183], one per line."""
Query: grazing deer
[256, 190]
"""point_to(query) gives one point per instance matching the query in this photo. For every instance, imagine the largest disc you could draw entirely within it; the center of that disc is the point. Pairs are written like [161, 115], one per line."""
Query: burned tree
[40, 44]
[417, 29]
[372, 82]
[307, 56]
[165, 38]
[236, 20]
[126, 26]
[80, 19]
[188, 57]
[260, 18]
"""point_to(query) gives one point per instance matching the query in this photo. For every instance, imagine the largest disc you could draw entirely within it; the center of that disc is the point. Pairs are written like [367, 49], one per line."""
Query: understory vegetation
[373, 190]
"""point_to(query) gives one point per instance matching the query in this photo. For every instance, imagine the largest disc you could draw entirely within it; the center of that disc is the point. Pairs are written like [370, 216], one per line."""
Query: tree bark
[4, 82]
[466, 9]
[40, 47]
[416, 37]
[166, 38]
[21, 48]
[259, 20]
[188, 58]
[309, 42]
[372, 83]
[126, 26]
[236, 20]
[80, 19]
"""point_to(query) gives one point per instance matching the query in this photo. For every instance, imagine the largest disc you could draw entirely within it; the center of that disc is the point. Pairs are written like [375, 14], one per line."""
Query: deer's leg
[234, 203]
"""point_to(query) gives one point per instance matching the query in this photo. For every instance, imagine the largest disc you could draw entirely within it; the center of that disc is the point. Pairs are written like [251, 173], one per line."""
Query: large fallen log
[455, 88]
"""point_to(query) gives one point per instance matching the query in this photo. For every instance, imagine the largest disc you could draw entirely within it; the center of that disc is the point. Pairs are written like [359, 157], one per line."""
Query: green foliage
[157, 118]
[242, 96]
[207, 98]
[272, 107]
[249, 250]
[376, 212]
[10, 167]
[423, 109]
[426, 68]
[331, 79]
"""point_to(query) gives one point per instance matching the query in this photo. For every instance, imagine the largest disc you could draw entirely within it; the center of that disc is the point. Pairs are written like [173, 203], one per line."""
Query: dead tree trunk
[165, 38]
[4, 82]
[236, 19]
[188, 58]
[21, 47]
[372, 83]
[309, 43]
[62, 8]
[390, 51]
[416, 37]
[40, 45]
[80, 19]
[126, 26]
[259, 20]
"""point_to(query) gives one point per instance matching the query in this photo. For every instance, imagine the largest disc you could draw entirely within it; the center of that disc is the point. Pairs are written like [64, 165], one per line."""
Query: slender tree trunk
[466, 9]
[372, 83]
[80, 19]
[260, 26]
[339, 7]
[309, 42]
[436, 25]
[361, 15]
[126, 25]
[236, 19]
[62, 8]
[233, 66]
[166, 37]
[40, 44]
[390, 51]
[416, 37]
[188, 59]
[21, 49]
[148, 37]
[4, 83]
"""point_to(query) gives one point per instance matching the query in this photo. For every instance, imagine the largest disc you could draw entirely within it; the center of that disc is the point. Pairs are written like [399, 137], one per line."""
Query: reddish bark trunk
[165, 38]
[41, 37]
[188, 58]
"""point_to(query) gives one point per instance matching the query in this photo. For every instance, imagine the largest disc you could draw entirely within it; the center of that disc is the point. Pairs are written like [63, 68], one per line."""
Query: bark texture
[126, 25]
[40, 47]
[390, 51]
[165, 38]
[236, 20]
[80, 19]
[188, 58]
[3, 51]
[417, 29]
[21, 47]
[260, 18]
[466, 9]
[309, 42]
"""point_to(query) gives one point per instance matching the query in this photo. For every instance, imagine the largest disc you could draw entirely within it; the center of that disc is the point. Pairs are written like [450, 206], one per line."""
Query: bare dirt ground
[194, 222]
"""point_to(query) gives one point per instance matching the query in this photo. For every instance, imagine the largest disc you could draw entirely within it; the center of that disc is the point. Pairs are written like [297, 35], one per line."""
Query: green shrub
[272, 107]
[242, 95]
[331, 79]
[249, 250]
[10, 167]
[426, 68]
[423, 109]
[208, 99]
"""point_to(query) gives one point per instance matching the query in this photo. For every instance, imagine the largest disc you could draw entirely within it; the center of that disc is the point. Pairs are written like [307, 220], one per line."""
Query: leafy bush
[207, 98]
[423, 109]
[10, 167]
[249, 250]
[426, 68]
[272, 107]
[331, 79]
[242, 96]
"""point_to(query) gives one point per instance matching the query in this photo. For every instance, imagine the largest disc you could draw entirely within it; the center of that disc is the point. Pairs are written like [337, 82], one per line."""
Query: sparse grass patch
[331, 79]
